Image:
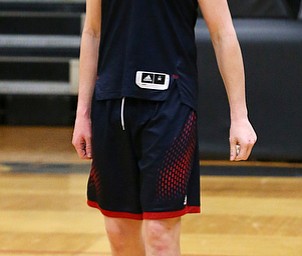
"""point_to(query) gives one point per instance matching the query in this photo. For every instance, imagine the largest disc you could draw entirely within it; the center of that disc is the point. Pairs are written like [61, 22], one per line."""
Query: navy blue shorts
[145, 158]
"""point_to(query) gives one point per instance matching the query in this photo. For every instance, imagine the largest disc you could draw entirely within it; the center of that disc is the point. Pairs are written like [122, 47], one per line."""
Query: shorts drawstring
[122, 114]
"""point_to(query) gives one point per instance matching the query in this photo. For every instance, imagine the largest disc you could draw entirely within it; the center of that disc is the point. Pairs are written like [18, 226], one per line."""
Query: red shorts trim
[174, 214]
[146, 215]
[112, 214]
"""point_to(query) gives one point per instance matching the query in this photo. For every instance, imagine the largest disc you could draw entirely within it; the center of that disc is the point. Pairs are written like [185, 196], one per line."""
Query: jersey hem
[146, 95]
[145, 215]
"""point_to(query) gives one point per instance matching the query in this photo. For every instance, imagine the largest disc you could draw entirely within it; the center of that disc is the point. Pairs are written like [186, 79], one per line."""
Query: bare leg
[162, 237]
[125, 236]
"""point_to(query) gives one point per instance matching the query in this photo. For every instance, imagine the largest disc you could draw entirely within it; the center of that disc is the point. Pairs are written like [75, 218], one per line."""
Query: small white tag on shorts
[185, 201]
[151, 80]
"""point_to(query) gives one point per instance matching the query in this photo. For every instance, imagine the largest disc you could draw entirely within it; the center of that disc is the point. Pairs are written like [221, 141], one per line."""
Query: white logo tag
[150, 80]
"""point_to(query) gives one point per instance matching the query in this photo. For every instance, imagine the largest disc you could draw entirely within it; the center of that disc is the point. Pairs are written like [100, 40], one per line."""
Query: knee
[116, 234]
[162, 234]
[122, 233]
[154, 235]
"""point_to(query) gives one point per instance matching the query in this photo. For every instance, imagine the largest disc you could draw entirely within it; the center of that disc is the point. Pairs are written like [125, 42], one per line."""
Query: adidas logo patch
[153, 81]
[153, 78]
[148, 79]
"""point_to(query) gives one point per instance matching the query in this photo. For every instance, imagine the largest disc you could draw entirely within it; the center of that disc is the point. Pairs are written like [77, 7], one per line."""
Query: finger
[232, 151]
[243, 152]
[88, 149]
[248, 151]
[81, 150]
[80, 147]
[238, 153]
[250, 148]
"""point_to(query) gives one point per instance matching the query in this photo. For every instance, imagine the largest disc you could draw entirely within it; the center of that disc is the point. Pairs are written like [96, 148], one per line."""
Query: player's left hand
[242, 139]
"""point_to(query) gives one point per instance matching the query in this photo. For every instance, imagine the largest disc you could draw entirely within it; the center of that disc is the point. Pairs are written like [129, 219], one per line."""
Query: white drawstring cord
[122, 114]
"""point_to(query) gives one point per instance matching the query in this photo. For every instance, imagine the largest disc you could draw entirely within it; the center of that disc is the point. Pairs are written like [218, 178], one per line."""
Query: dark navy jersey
[147, 47]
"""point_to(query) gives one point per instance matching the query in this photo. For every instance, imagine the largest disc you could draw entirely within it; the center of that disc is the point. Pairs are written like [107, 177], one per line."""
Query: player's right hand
[81, 139]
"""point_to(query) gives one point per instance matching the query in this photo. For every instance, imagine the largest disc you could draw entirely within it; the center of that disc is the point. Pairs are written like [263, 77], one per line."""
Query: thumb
[88, 148]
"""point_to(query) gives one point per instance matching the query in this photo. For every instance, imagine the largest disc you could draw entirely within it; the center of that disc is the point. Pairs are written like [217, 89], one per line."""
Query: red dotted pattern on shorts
[175, 170]
[94, 181]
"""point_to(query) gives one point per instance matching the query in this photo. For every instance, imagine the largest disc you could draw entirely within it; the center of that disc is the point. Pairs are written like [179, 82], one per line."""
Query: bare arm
[229, 58]
[87, 76]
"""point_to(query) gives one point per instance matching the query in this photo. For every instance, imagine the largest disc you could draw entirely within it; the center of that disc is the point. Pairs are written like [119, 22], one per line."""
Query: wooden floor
[46, 213]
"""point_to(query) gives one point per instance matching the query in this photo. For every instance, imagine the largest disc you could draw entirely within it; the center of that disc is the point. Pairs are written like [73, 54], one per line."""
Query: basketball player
[136, 115]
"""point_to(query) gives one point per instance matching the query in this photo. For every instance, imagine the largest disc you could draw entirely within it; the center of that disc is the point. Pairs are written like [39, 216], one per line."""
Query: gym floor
[43, 207]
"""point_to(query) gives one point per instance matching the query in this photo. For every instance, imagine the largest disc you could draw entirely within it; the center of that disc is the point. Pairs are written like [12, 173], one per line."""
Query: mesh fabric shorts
[145, 158]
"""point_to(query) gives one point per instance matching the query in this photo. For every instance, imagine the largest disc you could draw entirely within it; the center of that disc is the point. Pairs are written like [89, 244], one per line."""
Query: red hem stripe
[112, 214]
[146, 215]
[174, 214]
